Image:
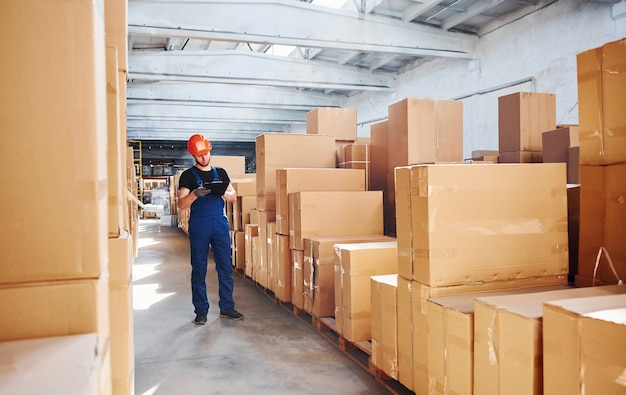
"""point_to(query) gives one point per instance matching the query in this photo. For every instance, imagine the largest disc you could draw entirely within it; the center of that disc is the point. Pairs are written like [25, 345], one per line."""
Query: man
[204, 188]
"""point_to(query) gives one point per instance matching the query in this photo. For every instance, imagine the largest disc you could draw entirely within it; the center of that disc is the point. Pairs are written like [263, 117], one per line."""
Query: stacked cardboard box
[384, 321]
[601, 83]
[291, 180]
[473, 228]
[357, 156]
[54, 275]
[522, 118]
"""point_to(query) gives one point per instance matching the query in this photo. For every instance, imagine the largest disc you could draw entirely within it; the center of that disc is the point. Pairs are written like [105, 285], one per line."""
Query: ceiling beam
[473, 10]
[416, 10]
[252, 68]
[273, 22]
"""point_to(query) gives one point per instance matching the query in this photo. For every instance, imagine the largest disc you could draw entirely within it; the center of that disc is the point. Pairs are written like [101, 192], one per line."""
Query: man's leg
[199, 246]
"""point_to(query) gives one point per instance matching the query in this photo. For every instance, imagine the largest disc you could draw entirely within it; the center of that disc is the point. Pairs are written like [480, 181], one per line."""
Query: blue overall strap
[198, 179]
[216, 177]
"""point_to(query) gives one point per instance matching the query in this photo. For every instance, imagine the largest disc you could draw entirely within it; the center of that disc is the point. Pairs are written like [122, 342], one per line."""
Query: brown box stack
[602, 172]
[338, 122]
[557, 148]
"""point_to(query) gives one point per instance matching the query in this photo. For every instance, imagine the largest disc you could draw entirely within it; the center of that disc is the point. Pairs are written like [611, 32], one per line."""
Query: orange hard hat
[198, 145]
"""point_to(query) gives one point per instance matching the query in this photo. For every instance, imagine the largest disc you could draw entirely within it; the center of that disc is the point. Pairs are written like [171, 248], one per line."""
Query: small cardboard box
[338, 122]
[284, 270]
[252, 231]
[522, 118]
[508, 339]
[356, 264]
[583, 343]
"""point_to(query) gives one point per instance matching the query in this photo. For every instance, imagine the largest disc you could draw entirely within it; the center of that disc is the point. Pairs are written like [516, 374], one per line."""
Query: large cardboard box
[271, 268]
[245, 186]
[53, 229]
[315, 179]
[521, 157]
[404, 231]
[384, 323]
[357, 263]
[338, 122]
[121, 259]
[583, 343]
[602, 222]
[335, 213]
[279, 150]
[82, 304]
[508, 338]
[451, 339]
[601, 84]
[318, 271]
[421, 131]
[379, 171]
[71, 364]
[477, 223]
[241, 211]
[116, 190]
[235, 166]
[239, 250]
[522, 118]
[116, 28]
[420, 293]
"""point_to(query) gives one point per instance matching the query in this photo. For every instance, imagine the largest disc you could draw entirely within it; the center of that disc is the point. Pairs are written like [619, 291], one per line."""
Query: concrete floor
[269, 352]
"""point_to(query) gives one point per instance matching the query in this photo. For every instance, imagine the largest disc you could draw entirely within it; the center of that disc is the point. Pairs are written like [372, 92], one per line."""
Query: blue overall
[208, 225]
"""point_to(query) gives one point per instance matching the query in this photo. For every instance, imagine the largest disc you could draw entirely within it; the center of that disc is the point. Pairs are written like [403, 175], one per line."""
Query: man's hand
[201, 191]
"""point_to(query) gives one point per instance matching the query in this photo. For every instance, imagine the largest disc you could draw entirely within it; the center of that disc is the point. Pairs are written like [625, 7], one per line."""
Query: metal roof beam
[252, 68]
[473, 10]
[273, 22]
[224, 95]
[418, 9]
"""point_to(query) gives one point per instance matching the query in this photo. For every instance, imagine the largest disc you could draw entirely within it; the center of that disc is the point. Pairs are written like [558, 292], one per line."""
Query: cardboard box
[245, 186]
[239, 250]
[601, 83]
[418, 132]
[338, 122]
[561, 146]
[507, 339]
[404, 231]
[518, 213]
[284, 270]
[522, 118]
[297, 279]
[573, 227]
[318, 271]
[583, 340]
[83, 304]
[384, 323]
[252, 231]
[315, 179]
[270, 266]
[116, 190]
[279, 150]
[235, 166]
[116, 29]
[55, 226]
[357, 263]
[261, 272]
[335, 213]
[602, 222]
[574, 164]
[121, 259]
[451, 339]
[61, 364]
[420, 293]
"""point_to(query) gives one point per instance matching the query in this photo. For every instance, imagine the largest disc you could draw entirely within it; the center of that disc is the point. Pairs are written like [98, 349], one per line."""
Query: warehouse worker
[204, 188]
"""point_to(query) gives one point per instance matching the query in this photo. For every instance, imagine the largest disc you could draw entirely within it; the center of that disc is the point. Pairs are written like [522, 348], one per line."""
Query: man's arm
[185, 198]
[230, 195]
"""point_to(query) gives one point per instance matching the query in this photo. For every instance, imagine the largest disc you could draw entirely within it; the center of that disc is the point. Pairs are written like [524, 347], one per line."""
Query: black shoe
[200, 319]
[232, 314]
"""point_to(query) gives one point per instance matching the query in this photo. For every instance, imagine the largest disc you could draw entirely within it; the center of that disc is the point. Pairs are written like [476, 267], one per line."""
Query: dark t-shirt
[188, 180]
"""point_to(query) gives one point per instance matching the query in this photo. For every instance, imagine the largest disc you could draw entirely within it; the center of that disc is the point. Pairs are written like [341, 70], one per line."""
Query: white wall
[540, 48]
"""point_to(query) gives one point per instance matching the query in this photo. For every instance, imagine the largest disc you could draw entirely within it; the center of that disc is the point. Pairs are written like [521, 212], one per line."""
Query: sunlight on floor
[151, 390]
[144, 270]
[146, 241]
[145, 295]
